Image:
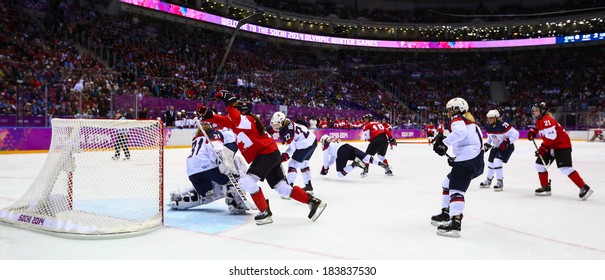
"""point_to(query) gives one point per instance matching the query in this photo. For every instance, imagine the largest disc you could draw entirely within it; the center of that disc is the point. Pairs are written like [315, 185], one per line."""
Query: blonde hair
[469, 116]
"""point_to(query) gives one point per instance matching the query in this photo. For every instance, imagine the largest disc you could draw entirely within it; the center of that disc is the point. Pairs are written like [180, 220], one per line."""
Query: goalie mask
[277, 120]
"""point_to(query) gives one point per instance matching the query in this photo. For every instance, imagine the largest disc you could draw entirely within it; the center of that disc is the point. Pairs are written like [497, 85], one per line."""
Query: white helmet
[277, 120]
[324, 138]
[493, 114]
[457, 105]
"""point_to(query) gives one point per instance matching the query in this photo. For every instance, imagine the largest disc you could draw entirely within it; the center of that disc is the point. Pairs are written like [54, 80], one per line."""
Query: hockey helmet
[457, 105]
[277, 120]
[539, 109]
[493, 114]
[244, 106]
[324, 138]
[369, 117]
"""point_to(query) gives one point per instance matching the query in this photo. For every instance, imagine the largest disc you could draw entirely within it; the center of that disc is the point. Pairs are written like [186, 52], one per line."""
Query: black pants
[122, 144]
[268, 167]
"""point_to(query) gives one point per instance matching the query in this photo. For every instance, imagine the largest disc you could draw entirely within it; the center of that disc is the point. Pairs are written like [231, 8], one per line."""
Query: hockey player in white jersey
[341, 153]
[206, 171]
[501, 136]
[301, 145]
[467, 163]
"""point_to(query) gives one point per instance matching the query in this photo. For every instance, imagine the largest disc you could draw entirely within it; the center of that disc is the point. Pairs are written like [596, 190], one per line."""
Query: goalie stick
[234, 182]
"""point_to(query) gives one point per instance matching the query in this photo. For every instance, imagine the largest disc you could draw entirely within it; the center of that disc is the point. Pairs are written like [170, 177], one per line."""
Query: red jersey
[553, 134]
[430, 129]
[598, 132]
[440, 128]
[250, 141]
[323, 124]
[372, 129]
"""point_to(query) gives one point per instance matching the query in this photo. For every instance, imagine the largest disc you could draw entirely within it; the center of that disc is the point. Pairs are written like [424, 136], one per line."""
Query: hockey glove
[324, 171]
[438, 145]
[204, 112]
[285, 157]
[227, 97]
[392, 141]
[532, 134]
[542, 151]
[504, 145]
[486, 147]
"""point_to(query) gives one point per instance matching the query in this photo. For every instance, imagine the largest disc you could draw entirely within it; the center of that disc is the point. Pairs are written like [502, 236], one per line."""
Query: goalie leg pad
[181, 200]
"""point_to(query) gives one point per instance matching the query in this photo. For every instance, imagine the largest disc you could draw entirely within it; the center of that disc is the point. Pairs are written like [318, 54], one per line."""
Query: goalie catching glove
[438, 146]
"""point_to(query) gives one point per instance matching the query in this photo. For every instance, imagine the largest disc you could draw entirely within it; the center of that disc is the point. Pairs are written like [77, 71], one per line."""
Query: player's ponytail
[259, 124]
[469, 116]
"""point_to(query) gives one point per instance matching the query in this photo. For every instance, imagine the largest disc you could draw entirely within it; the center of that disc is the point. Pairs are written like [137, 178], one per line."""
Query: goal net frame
[83, 192]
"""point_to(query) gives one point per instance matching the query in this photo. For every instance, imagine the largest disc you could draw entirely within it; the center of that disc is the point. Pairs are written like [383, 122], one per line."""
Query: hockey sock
[445, 198]
[456, 204]
[300, 195]
[259, 200]
[306, 174]
[490, 170]
[575, 177]
[498, 168]
[291, 175]
[543, 178]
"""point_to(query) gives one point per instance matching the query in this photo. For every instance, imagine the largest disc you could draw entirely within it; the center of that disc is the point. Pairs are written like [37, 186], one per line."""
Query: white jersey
[465, 138]
[330, 153]
[297, 136]
[499, 131]
[203, 156]
[228, 135]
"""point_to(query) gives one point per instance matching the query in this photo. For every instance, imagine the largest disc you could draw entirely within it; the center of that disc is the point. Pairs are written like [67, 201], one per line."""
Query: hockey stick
[240, 23]
[234, 182]
[539, 155]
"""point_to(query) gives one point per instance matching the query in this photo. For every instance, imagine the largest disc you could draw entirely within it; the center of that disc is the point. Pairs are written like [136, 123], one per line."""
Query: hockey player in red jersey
[430, 132]
[598, 134]
[556, 145]
[379, 139]
[261, 152]
[389, 129]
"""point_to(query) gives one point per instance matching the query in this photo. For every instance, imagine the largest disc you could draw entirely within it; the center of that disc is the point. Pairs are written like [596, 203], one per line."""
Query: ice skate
[585, 192]
[485, 184]
[442, 218]
[499, 186]
[317, 207]
[264, 217]
[543, 191]
[358, 163]
[308, 188]
[364, 173]
[451, 228]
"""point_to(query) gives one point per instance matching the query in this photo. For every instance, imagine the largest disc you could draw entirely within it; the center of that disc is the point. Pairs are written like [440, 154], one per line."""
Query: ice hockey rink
[377, 218]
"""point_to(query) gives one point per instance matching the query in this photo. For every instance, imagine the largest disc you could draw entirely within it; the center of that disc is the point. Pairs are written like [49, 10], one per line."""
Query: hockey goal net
[596, 135]
[85, 190]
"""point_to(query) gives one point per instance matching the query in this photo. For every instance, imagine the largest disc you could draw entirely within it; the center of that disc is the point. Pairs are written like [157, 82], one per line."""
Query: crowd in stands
[75, 61]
